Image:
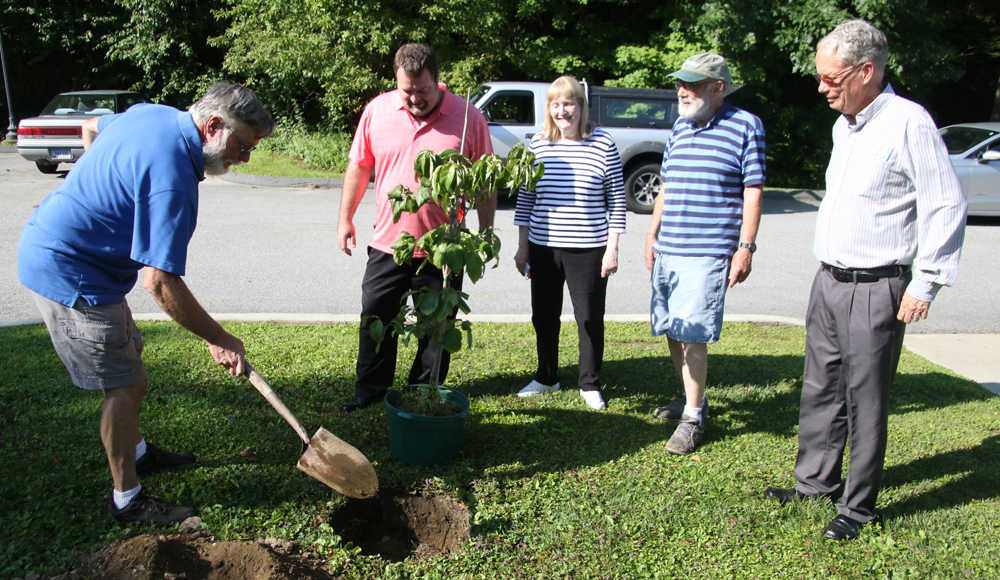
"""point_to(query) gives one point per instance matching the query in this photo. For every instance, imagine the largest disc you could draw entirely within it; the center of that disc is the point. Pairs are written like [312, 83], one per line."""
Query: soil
[394, 527]
[190, 556]
[397, 527]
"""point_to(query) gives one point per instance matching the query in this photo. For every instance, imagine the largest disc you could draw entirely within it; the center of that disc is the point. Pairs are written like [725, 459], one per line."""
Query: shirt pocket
[885, 176]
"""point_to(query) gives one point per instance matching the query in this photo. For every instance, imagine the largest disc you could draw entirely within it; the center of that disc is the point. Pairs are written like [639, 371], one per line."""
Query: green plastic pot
[423, 440]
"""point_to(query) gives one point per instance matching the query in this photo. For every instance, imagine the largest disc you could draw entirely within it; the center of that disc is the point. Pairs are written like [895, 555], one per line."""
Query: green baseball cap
[706, 65]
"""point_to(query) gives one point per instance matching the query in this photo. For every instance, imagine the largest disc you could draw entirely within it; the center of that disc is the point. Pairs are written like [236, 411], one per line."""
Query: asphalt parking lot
[264, 250]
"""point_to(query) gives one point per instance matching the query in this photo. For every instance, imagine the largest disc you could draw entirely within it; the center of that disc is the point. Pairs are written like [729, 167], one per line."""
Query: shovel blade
[340, 465]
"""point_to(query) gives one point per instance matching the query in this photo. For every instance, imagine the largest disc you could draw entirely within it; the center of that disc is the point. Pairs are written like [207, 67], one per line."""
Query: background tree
[316, 63]
[168, 41]
[51, 48]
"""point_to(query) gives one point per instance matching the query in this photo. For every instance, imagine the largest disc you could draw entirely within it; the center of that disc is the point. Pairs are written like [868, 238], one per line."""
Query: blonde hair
[569, 87]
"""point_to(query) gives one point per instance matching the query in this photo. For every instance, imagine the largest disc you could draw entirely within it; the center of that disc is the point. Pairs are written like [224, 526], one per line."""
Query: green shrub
[318, 149]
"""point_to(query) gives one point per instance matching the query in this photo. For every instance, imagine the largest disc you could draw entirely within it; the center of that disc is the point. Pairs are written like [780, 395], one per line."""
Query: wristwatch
[751, 246]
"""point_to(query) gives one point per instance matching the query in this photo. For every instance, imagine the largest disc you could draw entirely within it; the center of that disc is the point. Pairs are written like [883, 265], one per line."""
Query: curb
[268, 181]
[312, 318]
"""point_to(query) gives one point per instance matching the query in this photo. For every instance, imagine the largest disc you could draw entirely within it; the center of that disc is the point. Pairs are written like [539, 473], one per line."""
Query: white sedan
[975, 154]
[55, 136]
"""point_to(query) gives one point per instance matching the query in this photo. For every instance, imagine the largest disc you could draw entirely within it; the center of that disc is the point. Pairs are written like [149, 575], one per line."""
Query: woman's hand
[610, 263]
[521, 261]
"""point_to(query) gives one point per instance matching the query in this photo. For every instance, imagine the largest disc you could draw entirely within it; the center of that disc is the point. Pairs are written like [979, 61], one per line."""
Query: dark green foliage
[318, 62]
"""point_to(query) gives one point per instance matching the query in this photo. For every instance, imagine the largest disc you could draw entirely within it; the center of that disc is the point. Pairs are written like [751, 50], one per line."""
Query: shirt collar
[873, 108]
[192, 138]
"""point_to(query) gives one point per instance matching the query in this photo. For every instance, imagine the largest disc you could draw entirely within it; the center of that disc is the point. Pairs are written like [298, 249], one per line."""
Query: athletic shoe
[594, 399]
[686, 437]
[144, 508]
[537, 388]
[673, 410]
[155, 460]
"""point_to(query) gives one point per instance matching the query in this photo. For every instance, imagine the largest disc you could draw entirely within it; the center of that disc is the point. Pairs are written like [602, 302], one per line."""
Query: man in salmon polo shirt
[395, 126]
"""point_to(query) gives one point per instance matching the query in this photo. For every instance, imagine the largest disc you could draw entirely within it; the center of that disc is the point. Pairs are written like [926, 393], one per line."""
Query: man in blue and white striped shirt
[889, 234]
[701, 237]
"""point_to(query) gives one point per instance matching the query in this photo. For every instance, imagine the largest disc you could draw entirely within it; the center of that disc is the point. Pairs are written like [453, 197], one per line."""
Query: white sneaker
[537, 388]
[594, 399]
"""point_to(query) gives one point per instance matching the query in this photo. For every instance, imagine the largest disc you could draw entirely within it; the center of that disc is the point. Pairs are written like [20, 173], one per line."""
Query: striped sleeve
[614, 189]
[754, 160]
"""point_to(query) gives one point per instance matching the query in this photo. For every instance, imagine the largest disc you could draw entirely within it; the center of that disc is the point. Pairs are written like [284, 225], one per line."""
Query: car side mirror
[991, 155]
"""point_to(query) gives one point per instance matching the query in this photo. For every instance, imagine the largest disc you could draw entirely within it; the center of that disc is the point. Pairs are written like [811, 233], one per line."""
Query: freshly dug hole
[398, 526]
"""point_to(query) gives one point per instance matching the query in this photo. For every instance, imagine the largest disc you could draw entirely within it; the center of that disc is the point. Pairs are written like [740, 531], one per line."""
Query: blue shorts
[689, 295]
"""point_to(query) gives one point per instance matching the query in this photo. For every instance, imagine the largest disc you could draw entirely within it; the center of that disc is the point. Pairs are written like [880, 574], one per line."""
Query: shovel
[325, 457]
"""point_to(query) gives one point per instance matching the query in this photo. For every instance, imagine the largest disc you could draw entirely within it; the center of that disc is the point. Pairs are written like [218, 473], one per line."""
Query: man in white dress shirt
[889, 234]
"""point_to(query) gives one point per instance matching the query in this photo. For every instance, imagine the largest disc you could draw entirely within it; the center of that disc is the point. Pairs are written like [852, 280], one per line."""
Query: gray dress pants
[853, 343]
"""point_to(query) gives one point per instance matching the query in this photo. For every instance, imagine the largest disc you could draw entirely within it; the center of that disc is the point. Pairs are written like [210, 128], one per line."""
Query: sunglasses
[692, 86]
[837, 80]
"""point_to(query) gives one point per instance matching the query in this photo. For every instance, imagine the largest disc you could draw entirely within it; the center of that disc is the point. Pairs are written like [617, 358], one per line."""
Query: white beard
[213, 154]
[695, 108]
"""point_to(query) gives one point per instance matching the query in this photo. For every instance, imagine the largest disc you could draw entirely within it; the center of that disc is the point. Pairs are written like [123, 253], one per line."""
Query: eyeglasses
[244, 150]
[692, 86]
[837, 80]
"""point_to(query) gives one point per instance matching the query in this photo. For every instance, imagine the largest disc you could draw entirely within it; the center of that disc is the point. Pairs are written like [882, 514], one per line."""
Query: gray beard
[696, 111]
[213, 155]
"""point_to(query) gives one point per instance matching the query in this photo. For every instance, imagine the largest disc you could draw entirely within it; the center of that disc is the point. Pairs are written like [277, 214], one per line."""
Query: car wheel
[641, 188]
[46, 166]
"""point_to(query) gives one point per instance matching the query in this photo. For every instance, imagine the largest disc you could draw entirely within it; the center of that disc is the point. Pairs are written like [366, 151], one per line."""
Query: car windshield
[478, 93]
[961, 139]
[88, 105]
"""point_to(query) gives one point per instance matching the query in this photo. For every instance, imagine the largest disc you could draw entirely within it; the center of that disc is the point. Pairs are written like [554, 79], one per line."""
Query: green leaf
[429, 302]
[452, 341]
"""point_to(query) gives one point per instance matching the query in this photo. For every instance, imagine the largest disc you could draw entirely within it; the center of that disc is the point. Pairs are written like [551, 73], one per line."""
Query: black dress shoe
[784, 495]
[360, 402]
[842, 528]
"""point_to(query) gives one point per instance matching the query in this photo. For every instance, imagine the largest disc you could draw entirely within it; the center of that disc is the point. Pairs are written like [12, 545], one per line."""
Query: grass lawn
[276, 165]
[555, 490]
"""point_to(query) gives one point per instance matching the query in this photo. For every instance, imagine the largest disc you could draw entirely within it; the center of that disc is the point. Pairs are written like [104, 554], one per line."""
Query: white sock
[123, 497]
[693, 412]
[140, 449]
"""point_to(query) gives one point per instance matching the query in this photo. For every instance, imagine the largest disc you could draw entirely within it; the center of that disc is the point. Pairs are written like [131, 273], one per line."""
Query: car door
[512, 120]
[983, 182]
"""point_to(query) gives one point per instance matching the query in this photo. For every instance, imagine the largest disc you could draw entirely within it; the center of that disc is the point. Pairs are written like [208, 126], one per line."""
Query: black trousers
[383, 287]
[853, 341]
[580, 270]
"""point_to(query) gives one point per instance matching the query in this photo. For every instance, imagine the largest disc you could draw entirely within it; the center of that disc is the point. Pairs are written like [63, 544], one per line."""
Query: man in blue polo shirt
[131, 203]
[701, 237]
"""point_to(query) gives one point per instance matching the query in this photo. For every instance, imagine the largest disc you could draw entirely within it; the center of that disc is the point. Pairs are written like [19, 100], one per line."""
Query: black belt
[863, 275]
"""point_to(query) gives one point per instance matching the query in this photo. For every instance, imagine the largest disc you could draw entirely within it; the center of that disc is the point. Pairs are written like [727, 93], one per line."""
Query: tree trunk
[439, 339]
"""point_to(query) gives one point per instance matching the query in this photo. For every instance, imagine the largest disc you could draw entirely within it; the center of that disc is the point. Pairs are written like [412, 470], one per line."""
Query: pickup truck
[640, 120]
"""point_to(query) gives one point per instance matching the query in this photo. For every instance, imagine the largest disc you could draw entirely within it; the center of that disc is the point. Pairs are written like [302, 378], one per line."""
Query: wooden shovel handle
[265, 389]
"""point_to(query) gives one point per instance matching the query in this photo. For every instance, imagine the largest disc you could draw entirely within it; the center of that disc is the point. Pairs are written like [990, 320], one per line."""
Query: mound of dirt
[394, 527]
[193, 557]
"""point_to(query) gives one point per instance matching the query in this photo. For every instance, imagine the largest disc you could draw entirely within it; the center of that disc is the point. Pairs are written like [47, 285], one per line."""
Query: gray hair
[236, 105]
[857, 41]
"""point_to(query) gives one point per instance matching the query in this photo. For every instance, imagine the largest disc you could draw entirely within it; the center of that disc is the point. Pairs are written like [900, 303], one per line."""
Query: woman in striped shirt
[569, 227]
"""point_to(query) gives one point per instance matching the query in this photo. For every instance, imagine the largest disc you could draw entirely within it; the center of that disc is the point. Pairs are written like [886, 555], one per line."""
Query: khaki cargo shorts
[100, 345]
